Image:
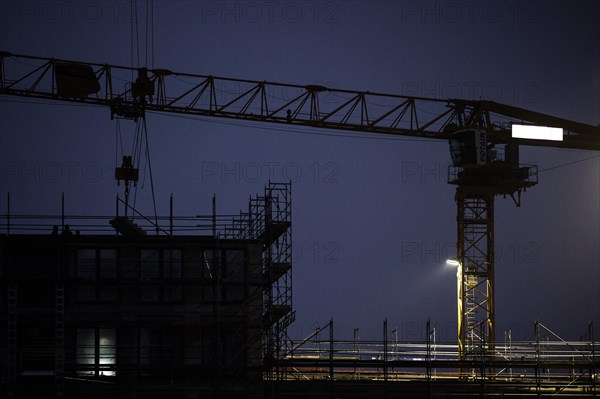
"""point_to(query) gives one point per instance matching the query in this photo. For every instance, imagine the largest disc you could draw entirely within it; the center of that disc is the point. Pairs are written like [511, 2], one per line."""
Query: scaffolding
[133, 307]
[268, 220]
[547, 366]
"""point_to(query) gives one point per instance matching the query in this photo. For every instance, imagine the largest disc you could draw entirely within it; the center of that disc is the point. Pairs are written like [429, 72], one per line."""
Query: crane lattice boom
[130, 92]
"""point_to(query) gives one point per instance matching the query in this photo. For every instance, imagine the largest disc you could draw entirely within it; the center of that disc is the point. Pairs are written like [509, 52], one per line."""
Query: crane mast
[475, 129]
[478, 182]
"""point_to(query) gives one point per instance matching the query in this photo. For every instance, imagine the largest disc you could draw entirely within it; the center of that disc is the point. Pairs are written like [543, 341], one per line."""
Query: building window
[107, 263]
[231, 270]
[86, 264]
[94, 263]
[159, 349]
[93, 267]
[234, 276]
[96, 352]
[86, 293]
[197, 347]
[171, 264]
[150, 264]
[160, 275]
[107, 293]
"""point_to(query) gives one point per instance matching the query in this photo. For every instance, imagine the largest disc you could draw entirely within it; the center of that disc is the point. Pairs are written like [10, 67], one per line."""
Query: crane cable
[568, 163]
[149, 165]
[150, 24]
[141, 143]
[140, 140]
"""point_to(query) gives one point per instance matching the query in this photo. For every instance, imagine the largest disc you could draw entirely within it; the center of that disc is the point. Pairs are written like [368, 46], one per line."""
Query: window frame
[95, 277]
[96, 368]
[165, 285]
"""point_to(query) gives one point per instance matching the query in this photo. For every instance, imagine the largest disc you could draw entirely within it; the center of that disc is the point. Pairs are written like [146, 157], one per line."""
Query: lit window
[86, 351]
[107, 352]
[96, 352]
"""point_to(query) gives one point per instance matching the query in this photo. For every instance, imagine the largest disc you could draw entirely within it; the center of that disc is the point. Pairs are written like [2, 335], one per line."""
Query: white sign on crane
[537, 132]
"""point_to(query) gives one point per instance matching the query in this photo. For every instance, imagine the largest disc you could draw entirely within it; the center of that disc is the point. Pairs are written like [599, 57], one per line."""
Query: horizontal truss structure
[306, 105]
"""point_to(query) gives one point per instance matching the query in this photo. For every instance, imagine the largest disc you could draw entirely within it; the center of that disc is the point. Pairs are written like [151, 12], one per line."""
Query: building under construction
[128, 308]
[191, 307]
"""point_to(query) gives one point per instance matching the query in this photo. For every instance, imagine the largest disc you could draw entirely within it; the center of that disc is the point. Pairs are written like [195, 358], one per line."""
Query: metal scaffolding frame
[258, 323]
[547, 366]
[269, 220]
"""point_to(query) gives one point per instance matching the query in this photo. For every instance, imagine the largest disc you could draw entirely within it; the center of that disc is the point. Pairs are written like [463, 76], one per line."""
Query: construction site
[108, 297]
[136, 306]
[197, 306]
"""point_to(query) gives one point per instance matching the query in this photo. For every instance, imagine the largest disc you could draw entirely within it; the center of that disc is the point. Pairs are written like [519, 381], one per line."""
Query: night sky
[374, 218]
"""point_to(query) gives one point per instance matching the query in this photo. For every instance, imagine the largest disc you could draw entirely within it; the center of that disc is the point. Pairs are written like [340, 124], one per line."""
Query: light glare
[537, 132]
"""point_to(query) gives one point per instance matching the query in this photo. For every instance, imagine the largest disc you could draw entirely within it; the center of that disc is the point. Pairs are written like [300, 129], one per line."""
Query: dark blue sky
[373, 217]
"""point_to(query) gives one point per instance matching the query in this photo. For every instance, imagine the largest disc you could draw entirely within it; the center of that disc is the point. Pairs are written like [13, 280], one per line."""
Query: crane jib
[313, 105]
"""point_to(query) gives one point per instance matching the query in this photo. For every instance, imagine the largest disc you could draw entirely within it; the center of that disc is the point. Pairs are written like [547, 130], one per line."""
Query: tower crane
[483, 146]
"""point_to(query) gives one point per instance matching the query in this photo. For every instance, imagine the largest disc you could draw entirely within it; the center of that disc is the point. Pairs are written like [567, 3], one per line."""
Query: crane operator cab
[469, 147]
[478, 162]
